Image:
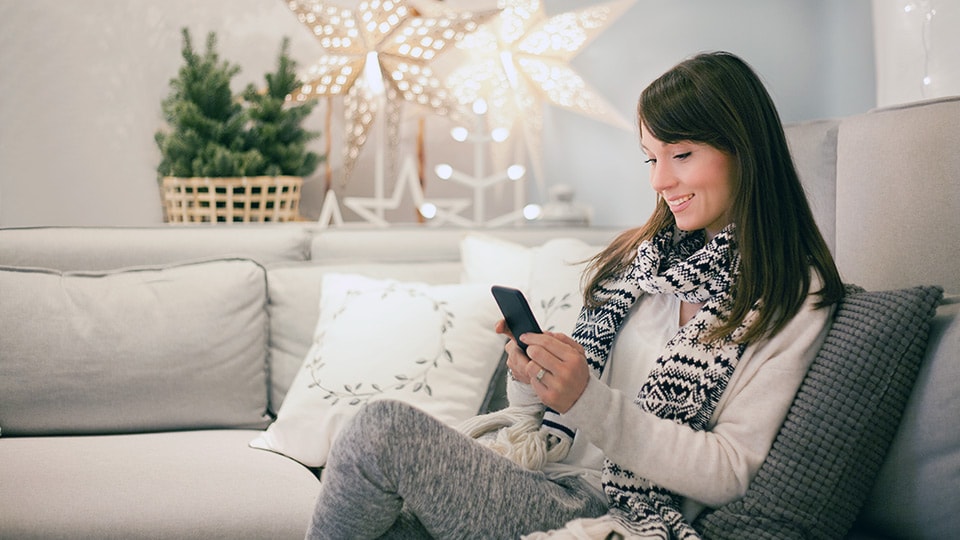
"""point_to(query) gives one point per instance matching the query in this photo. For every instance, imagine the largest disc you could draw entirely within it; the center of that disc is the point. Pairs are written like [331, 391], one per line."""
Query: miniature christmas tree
[215, 134]
[208, 125]
[275, 129]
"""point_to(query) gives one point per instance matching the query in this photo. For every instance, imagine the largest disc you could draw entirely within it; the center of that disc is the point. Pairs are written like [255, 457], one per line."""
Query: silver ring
[540, 374]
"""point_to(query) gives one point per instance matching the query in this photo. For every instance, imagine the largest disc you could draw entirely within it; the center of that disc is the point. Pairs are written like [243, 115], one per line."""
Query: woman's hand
[555, 366]
[516, 360]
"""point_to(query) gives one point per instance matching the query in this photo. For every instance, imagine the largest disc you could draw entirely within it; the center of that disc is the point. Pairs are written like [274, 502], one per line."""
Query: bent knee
[386, 414]
[381, 421]
[377, 430]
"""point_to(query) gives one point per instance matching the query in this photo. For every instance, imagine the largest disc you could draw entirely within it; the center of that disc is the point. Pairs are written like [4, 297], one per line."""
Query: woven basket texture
[231, 200]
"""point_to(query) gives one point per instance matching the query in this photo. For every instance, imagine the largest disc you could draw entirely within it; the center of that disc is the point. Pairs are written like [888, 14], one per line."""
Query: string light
[532, 211]
[479, 181]
[516, 172]
[459, 133]
[926, 9]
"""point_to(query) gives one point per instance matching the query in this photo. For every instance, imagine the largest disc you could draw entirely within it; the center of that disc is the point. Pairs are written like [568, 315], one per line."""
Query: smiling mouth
[673, 203]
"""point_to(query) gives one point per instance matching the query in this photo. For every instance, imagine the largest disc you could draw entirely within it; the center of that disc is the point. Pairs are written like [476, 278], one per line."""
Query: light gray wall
[81, 85]
[915, 41]
[816, 58]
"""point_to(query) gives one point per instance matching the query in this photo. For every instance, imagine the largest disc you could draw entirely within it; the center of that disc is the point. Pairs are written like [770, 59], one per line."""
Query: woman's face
[696, 180]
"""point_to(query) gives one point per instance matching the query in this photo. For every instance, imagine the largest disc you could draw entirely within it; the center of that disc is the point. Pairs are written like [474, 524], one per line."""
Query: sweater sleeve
[713, 466]
[520, 394]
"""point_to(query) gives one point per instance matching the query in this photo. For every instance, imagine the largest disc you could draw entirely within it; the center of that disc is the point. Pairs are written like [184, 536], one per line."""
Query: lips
[679, 203]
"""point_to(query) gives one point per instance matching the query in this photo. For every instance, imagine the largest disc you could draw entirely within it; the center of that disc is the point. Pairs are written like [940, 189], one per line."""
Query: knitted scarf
[684, 385]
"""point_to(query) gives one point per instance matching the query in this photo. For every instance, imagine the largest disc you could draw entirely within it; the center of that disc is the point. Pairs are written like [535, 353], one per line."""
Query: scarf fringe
[515, 433]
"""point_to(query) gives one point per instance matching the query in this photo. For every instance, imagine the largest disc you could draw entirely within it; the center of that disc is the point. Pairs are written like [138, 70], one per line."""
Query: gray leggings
[396, 472]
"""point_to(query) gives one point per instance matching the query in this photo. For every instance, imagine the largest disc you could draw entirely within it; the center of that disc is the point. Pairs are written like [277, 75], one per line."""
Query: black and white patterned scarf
[684, 386]
[690, 375]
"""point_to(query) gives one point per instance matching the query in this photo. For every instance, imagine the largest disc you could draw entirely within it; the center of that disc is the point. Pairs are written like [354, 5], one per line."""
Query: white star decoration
[372, 209]
[520, 60]
[388, 43]
[330, 211]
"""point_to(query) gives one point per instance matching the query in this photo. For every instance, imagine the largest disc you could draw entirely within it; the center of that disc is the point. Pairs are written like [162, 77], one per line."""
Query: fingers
[517, 361]
[559, 348]
[502, 328]
[557, 369]
[568, 340]
[554, 366]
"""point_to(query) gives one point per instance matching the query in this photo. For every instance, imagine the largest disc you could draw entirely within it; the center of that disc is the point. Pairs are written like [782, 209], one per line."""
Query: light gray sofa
[137, 364]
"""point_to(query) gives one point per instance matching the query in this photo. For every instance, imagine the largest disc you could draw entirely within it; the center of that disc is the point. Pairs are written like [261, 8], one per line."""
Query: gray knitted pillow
[828, 451]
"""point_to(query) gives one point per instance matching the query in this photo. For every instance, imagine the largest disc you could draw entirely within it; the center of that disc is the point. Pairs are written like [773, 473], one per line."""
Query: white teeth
[681, 200]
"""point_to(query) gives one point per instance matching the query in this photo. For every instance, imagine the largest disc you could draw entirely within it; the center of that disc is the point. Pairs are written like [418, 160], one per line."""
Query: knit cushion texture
[837, 432]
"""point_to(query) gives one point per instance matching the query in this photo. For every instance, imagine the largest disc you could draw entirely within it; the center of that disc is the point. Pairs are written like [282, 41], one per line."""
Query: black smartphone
[516, 312]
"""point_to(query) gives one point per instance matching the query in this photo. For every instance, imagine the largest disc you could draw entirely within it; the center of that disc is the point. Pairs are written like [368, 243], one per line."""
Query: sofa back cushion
[813, 146]
[898, 196]
[917, 493]
[141, 349]
[404, 244]
[106, 248]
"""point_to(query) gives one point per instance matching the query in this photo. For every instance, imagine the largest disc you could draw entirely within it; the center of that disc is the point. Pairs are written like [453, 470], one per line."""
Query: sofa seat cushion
[191, 484]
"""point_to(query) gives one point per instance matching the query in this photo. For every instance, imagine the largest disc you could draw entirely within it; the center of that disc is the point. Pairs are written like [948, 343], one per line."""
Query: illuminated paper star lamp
[380, 44]
[520, 60]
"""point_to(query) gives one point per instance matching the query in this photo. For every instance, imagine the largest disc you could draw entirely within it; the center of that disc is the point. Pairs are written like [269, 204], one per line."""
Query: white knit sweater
[711, 467]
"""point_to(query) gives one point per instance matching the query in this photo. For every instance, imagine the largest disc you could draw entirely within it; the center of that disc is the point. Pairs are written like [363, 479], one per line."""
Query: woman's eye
[684, 155]
[650, 160]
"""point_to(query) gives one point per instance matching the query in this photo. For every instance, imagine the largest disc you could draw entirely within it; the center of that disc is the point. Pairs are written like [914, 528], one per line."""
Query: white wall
[916, 40]
[81, 85]
[815, 56]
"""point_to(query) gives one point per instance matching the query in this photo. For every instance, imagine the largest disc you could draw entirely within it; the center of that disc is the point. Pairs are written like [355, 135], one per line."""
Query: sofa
[186, 381]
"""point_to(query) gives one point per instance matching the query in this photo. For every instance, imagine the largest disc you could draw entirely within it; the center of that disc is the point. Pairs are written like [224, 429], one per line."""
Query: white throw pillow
[549, 274]
[493, 261]
[555, 282]
[431, 346]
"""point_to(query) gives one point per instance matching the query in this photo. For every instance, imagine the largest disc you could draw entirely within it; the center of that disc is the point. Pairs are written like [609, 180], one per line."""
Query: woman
[697, 330]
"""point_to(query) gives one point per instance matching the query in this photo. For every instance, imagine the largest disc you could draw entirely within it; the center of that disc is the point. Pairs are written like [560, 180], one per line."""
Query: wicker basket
[232, 200]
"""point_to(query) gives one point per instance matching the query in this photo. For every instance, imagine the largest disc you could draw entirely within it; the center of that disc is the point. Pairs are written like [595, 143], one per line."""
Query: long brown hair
[717, 99]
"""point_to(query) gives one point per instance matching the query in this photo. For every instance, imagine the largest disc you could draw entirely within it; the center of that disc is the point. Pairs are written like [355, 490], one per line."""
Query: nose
[660, 178]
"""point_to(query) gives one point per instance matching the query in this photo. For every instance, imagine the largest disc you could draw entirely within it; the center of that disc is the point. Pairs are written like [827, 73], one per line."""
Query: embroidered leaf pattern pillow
[432, 346]
[436, 314]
